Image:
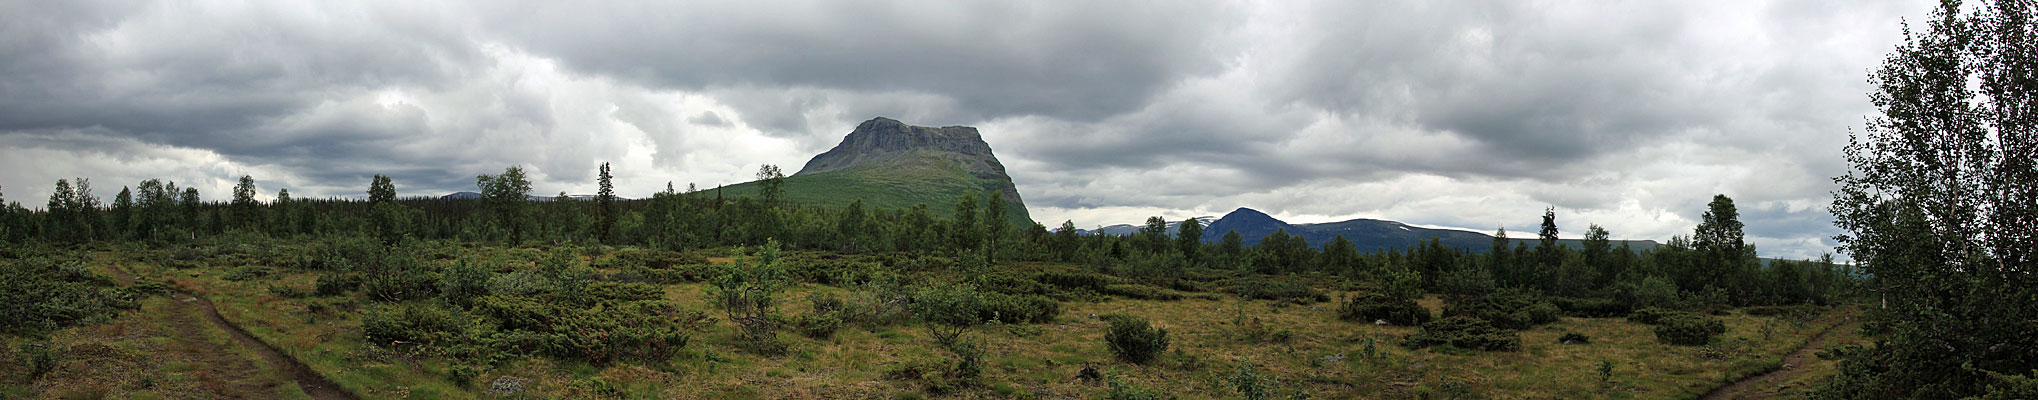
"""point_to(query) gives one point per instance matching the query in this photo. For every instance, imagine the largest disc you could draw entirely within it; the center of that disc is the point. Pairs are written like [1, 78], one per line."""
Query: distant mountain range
[1368, 235]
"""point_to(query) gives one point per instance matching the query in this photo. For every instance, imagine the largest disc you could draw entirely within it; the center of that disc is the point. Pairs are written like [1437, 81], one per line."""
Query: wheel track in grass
[1754, 387]
[185, 300]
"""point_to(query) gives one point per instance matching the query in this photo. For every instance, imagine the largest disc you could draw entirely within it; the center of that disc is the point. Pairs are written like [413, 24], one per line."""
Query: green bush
[1133, 340]
[1464, 332]
[1369, 307]
[1117, 388]
[1017, 308]
[335, 284]
[1143, 292]
[287, 291]
[37, 359]
[1094, 282]
[403, 284]
[1591, 307]
[462, 283]
[1288, 288]
[1655, 316]
[818, 326]
[411, 323]
[1507, 309]
[1689, 330]
[40, 295]
[246, 272]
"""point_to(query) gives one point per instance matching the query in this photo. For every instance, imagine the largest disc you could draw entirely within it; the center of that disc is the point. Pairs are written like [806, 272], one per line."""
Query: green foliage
[42, 295]
[1369, 307]
[463, 282]
[747, 291]
[1251, 384]
[1132, 339]
[401, 278]
[1591, 307]
[948, 310]
[1465, 333]
[1022, 308]
[246, 272]
[412, 323]
[1118, 388]
[1507, 309]
[335, 284]
[1605, 372]
[1143, 292]
[1689, 329]
[37, 358]
[1283, 288]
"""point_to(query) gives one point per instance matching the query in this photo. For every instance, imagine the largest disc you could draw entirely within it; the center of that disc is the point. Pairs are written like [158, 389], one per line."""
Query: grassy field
[1305, 348]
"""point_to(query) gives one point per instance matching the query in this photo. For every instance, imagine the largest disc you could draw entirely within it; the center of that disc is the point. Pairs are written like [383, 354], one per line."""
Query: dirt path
[230, 376]
[1756, 387]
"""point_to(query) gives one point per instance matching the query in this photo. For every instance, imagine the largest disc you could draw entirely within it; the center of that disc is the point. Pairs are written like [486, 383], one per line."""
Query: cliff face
[883, 144]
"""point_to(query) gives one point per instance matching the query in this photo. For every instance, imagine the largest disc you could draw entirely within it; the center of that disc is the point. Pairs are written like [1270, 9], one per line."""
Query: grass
[1326, 357]
[926, 179]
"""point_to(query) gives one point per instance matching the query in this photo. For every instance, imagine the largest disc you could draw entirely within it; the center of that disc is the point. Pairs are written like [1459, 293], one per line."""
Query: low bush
[1117, 388]
[42, 295]
[1132, 339]
[1090, 281]
[335, 284]
[287, 291]
[1655, 316]
[1464, 332]
[1591, 307]
[246, 272]
[1369, 307]
[1285, 288]
[1010, 308]
[1143, 292]
[411, 323]
[1689, 330]
[1507, 309]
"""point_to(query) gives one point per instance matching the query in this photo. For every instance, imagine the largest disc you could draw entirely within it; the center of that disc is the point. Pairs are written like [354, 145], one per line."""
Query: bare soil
[1764, 386]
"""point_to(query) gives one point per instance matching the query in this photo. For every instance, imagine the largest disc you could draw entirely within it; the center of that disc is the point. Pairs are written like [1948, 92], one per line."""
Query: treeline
[1713, 266]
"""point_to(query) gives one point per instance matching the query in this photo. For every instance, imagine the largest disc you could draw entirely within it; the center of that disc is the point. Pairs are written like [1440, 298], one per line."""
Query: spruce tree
[605, 205]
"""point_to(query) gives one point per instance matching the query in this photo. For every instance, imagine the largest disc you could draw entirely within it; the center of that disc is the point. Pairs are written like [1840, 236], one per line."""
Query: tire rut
[313, 384]
[1803, 355]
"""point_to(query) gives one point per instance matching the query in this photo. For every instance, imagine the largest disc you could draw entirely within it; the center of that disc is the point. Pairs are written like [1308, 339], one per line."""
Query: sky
[1471, 114]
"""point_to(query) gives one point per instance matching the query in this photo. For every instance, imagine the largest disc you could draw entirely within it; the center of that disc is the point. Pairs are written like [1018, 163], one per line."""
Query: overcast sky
[1630, 115]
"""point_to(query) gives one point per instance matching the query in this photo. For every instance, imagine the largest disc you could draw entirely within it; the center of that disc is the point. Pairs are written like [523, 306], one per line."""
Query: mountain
[1128, 229]
[892, 165]
[1370, 235]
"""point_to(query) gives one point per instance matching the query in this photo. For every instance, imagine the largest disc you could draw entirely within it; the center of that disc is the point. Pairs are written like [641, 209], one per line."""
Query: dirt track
[229, 376]
[1752, 387]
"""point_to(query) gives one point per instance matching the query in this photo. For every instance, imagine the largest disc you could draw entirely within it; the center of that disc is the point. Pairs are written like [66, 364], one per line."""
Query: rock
[1381, 322]
[507, 385]
[1089, 374]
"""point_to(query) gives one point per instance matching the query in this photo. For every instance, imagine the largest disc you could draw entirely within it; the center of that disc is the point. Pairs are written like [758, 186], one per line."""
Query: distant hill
[475, 195]
[1127, 229]
[1368, 235]
[892, 165]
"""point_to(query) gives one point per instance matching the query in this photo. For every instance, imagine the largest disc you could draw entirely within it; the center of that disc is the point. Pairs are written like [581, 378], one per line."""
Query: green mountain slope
[894, 166]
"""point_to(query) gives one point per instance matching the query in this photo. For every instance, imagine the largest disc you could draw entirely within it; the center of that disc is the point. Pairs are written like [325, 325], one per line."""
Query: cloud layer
[1468, 114]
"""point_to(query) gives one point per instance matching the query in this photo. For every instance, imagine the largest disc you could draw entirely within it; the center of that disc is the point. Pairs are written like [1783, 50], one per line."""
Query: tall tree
[1597, 249]
[770, 185]
[963, 234]
[506, 195]
[1189, 239]
[1154, 235]
[380, 189]
[994, 223]
[1233, 245]
[123, 213]
[1065, 241]
[244, 203]
[281, 224]
[1938, 207]
[1500, 261]
[1724, 258]
[605, 205]
[852, 228]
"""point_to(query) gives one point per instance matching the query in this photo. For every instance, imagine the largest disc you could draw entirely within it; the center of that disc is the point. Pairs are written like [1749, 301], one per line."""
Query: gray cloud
[1444, 113]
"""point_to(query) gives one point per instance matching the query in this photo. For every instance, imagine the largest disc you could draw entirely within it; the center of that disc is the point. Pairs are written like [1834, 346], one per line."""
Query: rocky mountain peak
[885, 143]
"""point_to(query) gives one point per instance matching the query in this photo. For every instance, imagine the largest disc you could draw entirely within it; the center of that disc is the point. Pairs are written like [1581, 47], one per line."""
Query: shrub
[411, 323]
[1253, 385]
[1143, 292]
[818, 326]
[402, 284]
[40, 295]
[1591, 307]
[1120, 389]
[287, 291]
[1132, 339]
[246, 272]
[519, 283]
[1288, 288]
[748, 292]
[1507, 309]
[1094, 282]
[1369, 307]
[948, 310]
[1018, 308]
[1689, 330]
[1464, 332]
[462, 283]
[1654, 316]
[335, 284]
[37, 358]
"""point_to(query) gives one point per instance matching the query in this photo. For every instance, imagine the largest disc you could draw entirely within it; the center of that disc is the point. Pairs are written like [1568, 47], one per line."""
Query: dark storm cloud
[1418, 111]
